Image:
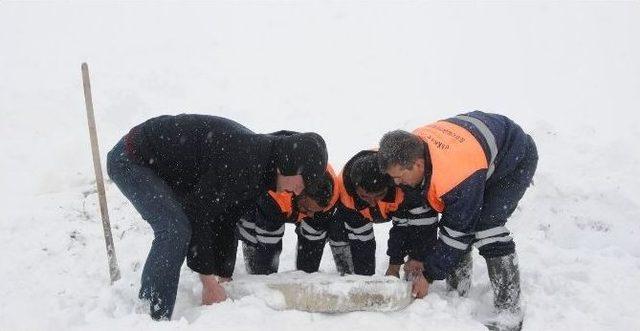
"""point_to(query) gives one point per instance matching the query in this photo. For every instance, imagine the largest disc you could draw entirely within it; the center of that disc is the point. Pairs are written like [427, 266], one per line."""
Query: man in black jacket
[191, 177]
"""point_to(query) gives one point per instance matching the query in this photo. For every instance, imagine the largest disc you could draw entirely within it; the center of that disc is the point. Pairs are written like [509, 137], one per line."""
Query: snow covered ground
[568, 72]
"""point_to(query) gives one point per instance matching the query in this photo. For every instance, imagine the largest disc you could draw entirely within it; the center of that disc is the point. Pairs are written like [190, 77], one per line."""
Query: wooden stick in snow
[114, 271]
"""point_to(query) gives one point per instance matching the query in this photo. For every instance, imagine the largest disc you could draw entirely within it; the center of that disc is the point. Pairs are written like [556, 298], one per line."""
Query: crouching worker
[473, 169]
[191, 177]
[369, 196]
[261, 230]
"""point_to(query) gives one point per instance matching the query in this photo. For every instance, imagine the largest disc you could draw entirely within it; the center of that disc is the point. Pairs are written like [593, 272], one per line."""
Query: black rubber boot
[257, 262]
[342, 258]
[505, 281]
[460, 278]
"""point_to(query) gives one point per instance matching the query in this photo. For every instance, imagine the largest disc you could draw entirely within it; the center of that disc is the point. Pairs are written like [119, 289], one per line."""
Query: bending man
[191, 177]
[473, 169]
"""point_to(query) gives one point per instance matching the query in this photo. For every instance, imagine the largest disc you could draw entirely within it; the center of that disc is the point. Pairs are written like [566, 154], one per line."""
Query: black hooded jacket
[218, 169]
[215, 165]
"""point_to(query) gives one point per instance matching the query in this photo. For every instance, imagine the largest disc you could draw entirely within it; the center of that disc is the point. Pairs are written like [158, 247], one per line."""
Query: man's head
[307, 205]
[401, 155]
[316, 196]
[371, 185]
[301, 158]
[293, 184]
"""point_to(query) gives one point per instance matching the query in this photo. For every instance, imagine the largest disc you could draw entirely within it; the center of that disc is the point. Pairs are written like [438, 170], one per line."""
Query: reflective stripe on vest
[488, 137]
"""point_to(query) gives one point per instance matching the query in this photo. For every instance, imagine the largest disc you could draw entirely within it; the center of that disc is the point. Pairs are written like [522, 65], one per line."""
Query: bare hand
[393, 270]
[212, 292]
[413, 267]
[222, 280]
[419, 286]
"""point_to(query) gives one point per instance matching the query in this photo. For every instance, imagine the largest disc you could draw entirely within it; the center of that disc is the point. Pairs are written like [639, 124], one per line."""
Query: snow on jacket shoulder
[215, 165]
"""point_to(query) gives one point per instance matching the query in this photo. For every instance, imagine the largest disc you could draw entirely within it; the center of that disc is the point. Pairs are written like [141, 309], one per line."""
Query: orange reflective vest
[385, 208]
[284, 200]
[455, 155]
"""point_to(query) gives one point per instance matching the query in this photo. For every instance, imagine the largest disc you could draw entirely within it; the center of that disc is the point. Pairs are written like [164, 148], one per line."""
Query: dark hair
[399, 148]
[366, 174]
[320, 190]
